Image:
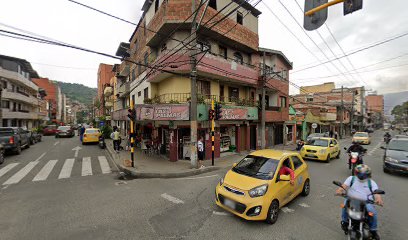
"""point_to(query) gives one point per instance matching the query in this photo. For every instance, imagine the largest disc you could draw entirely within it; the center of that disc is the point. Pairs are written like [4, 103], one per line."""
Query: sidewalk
[159, 167]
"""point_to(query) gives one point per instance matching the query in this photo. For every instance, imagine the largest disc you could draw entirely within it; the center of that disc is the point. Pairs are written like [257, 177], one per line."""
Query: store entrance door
[278, 134]
[252, 140]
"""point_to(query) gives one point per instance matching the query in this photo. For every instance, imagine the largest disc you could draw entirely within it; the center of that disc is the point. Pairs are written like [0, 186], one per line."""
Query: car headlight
[221, 181]
[355, 215]
[323, 151]
[388, 159]
[258, 191]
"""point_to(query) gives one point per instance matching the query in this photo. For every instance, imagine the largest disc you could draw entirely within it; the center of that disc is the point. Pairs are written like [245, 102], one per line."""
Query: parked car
[254, 189]
[50, 130]
[35, 137]
[91, 135]
[395, 155]
[64, 131]
[14, 139]
[317, 135]
[1, 154]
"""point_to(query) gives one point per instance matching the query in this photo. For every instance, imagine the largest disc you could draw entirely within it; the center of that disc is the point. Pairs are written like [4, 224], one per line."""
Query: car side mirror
[284, 178]
[378, 191]
[234, 164]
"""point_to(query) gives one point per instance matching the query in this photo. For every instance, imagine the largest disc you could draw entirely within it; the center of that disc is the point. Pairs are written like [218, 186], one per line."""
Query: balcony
[22, 114]
[18, 78]
[124, 70]
[124, 89]
[275, 114]
[20, 97]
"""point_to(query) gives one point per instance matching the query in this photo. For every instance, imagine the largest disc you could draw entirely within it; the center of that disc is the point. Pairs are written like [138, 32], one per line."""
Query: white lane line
[104, 164]
[171, 198]
[56, 143]
[86, 166]
[41, 156]
[220, 213]
[45, 171]
[287, 210]
[7, 168]
[21, 174]
[192, 178]
[304, 205]
[67, 168]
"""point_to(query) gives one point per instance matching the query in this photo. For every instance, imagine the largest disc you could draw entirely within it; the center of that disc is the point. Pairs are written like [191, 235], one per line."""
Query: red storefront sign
[163, 112]
[234, 113]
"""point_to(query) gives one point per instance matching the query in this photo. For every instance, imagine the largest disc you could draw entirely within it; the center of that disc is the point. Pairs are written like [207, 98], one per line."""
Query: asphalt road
[99, 206]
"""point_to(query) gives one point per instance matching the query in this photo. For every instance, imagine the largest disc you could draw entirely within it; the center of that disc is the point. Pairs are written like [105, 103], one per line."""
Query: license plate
[229, 203]
[310, 155]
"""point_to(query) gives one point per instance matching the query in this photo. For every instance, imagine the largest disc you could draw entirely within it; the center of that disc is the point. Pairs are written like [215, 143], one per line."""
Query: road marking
[220, 213]
[41, 156]
[104, 164]
[304, 205]
[56, 143]
[287, 210]
[21, 174]
[374, 149]
[191, 178]
[7, 168]
[76, 149]
[67, 168]
[171, 198]
[86, 166]
[45, 171]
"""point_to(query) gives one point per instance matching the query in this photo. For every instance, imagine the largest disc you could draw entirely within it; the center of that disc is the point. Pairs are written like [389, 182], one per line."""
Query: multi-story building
[104, 76]
[319, 88]
[53, 103]
[375, 109]
[19, 98]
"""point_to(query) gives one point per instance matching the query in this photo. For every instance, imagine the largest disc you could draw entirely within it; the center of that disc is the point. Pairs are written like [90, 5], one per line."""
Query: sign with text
[234, 113]
[163, 112]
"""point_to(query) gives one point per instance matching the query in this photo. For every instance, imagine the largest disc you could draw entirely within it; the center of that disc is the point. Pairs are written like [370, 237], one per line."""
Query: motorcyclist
[359, 187]
[387, 137]
[356, 147]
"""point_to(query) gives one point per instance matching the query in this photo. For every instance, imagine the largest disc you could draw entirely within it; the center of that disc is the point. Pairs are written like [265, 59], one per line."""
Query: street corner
[136, 172]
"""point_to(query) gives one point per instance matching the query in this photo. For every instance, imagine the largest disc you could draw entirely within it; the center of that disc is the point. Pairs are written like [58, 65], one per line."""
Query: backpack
[369, 183]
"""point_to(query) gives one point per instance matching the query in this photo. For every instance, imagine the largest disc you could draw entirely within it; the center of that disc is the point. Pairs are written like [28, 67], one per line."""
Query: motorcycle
[355, 158]
[300, 144]
[358, 215]
[102, 143]
[387, 139]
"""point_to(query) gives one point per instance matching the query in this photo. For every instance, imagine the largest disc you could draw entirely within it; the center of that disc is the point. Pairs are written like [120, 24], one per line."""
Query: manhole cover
[120, 183]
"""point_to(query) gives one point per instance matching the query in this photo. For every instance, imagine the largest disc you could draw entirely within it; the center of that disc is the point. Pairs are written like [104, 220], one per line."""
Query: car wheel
[306, 188]
[18, 149]
[328, 158]
[338, 155]
[386, 170]
[1, 156]
[273, 212]
[56, 136]
[28, 145]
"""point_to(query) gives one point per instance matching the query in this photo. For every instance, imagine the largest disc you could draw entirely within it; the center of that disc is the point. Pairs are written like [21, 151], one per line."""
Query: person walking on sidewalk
[200, 148]
[116, 138]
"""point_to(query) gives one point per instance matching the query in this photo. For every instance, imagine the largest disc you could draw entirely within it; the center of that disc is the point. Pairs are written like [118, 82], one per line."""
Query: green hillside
[78, 92]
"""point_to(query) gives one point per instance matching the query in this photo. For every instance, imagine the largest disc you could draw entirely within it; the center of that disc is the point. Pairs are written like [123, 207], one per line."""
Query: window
[144, 28]
[233, 94]
[203, 87]
[133, 98]
[223, 52]
[266, 100]
[240, 18]
[213, 4]
[146, 59]
[5, 104]
[283, 102]
[4, 83]
[139, 94]
[296, 162]
[133, 74]
[309, 99]
[156, 5]
[146, 93]
[203, 45]
[139, 70]
[238, 58]
[222, 93]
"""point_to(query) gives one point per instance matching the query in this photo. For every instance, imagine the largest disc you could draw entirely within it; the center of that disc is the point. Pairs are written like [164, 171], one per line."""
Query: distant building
[54, 98]
[375, 110]
[324, 87]
[20, 99]
[104, 77]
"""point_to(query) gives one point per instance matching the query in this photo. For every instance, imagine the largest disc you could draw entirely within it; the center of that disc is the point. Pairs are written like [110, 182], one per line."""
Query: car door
[300, 169]
[332, 148]
[284, 190]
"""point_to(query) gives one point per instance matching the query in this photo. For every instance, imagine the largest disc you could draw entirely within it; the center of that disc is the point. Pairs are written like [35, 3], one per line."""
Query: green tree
[400, 113]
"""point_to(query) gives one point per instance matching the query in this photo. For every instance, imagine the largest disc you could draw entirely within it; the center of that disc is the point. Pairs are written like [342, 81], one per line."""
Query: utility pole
[342, 114]
[263, 103]
[193, 103]
[352, 112]
[1, 108]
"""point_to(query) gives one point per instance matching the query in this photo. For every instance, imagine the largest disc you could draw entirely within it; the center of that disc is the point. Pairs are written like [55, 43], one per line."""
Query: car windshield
[64, 128]
[398, 145]
[92, 131]
[316, 135]
[318, 142]
[257, 167]
[51, 127]
[361, 135]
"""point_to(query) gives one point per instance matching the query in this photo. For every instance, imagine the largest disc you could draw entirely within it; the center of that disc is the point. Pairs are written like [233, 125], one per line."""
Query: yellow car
[322, 149]
[91, 135]
[361, 137]
[254, 189]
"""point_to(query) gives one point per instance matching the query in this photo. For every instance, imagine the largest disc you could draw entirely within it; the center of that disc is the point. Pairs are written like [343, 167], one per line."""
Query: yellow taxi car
[254, 189]
[361, 137]
[91, 135]
[321, 148]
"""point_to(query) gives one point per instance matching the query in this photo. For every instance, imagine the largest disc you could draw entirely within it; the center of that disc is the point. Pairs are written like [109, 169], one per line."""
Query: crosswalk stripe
[45, 171]
[21, 174]
[7, 168]
[86, 166]
[104, 164]
[67, 168]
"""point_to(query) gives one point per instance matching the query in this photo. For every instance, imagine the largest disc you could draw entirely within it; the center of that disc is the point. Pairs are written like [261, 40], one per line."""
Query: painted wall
[325, 87]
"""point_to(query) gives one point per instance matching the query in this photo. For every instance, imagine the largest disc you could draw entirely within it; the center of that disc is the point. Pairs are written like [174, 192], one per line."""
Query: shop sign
[234, 113]
[163, 112]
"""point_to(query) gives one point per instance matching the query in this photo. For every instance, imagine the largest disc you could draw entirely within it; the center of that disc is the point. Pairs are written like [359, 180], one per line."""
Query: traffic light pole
[321, 7]
[212, 133]
[132, 135]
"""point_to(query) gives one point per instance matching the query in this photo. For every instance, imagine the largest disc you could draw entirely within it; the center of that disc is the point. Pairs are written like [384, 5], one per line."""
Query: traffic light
[132, 114]
[318, 18]
[350, 6]
[218, 111]
[211, 114]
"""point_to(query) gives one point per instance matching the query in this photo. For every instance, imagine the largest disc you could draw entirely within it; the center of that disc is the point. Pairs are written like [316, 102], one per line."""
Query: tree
[400, 113]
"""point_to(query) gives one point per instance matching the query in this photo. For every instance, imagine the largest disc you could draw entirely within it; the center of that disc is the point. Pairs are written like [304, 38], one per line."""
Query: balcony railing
[273, 108]
[174, 98]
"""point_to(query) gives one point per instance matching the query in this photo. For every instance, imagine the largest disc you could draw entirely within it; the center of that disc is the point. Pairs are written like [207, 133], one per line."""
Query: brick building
[51, 90]
[375, 110]
[104, 76]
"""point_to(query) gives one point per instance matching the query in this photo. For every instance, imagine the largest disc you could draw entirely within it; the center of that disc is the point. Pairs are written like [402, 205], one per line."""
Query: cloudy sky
[383, 68]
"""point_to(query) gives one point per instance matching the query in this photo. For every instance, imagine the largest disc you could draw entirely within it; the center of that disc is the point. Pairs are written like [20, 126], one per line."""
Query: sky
[383, 68]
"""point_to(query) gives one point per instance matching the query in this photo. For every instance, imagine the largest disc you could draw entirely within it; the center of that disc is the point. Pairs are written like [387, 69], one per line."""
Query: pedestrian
[331, 133]
[336, 135]
[200, 148]
[116, 139]
[81, 133]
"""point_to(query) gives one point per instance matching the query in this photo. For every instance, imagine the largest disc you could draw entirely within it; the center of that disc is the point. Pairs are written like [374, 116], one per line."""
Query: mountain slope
[393, 99]
[78, 92]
